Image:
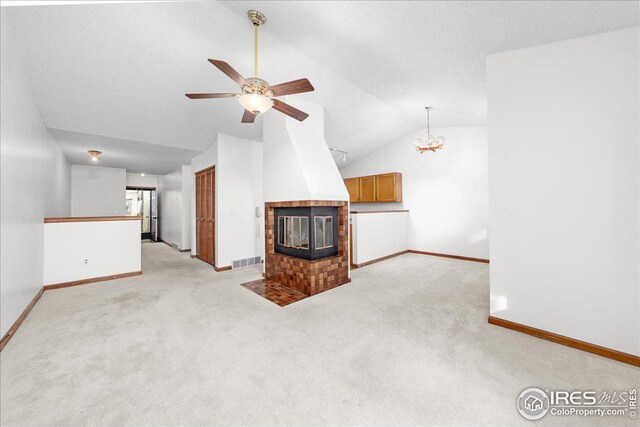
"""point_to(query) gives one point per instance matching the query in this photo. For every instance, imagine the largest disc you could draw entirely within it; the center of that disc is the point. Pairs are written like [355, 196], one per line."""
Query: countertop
[369, 212]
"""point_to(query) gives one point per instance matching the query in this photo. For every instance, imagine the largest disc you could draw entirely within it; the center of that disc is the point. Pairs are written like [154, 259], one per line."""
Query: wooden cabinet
[353, 187]
[367, 189]
[375, 188]
[389, 187]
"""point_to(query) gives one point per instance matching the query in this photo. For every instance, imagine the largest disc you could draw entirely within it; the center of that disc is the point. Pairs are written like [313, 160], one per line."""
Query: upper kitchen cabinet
[375, 188]
[353, 187]
[367, 189]
[389, 187]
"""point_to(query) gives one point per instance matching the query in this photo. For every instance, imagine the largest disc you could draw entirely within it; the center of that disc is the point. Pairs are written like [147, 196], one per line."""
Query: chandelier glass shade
[430, 143]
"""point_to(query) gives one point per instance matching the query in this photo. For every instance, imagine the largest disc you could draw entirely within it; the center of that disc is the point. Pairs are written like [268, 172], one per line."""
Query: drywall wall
[376, 235]
[85, 250]
[35, 182]
[446, 192]
[297, 162]
[98, 191]
[174, 205]
[187, 191]
[239, 233]
[564, 185]
[137, 180]
[170, 208]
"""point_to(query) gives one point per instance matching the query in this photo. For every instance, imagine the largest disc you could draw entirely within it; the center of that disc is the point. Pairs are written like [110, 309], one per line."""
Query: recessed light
[141, 174]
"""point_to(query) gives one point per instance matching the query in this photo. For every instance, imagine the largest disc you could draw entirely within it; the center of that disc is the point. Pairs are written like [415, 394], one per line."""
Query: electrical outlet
[86, 261]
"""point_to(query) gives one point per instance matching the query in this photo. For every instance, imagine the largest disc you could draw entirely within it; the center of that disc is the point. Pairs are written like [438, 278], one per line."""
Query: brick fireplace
[307, 276]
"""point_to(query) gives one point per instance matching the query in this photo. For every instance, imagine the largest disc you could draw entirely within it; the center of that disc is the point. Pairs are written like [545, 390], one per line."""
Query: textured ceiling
[135, 156]
[121, 70]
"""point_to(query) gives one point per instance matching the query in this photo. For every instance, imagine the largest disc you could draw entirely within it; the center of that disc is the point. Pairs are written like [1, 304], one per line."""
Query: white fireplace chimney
[297, 162]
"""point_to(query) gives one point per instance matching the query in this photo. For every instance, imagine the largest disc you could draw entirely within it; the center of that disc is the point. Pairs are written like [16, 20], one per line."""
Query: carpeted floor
[406, 342]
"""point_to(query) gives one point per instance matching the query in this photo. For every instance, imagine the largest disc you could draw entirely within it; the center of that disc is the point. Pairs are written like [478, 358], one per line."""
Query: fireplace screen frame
[286, 231]
[285, 241]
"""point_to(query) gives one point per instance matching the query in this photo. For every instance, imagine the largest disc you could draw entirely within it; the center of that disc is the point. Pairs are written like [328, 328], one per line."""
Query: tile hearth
[274, 292]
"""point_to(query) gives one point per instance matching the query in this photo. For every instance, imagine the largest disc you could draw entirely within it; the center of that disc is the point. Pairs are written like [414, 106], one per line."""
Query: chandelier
[431, 143]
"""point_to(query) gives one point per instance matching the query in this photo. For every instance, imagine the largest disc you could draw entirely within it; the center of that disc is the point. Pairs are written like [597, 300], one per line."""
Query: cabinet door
[353, 187]
[389, 187]
[368, 189]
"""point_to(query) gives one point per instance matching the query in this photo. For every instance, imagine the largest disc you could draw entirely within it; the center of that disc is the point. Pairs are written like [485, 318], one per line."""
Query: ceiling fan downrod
[258, 19]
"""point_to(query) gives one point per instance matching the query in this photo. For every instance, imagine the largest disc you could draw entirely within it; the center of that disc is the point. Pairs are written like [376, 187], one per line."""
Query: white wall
[174, 205]
[238, 191]
[85, 250]
[187, 194]
[446, 192]
[35, 182]
[170, 208]
[297, 162]
[376, 235]
[98, 191]
[240, 234]
[136, 180]
[564, 131]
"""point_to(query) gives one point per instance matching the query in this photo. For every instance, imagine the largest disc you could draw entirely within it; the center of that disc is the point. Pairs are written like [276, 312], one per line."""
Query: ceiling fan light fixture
[255, 102]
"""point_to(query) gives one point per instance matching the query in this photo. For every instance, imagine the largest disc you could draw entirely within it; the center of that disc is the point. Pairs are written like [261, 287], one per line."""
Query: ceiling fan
[257, 96]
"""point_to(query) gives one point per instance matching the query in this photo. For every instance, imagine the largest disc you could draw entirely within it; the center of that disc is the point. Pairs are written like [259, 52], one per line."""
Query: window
[324, 231]
[293, 232]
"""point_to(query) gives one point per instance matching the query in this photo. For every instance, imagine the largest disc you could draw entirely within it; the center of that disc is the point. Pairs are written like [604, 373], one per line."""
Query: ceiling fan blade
[292, 87]
[209, 95]
[289, 110]
[229, 71]
[248, 117]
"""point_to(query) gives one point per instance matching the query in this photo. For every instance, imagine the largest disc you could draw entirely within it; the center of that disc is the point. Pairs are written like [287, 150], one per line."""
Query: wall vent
[239, 263]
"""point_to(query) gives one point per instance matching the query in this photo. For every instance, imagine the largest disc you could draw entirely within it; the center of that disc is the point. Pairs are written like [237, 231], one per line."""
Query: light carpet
[406, 342]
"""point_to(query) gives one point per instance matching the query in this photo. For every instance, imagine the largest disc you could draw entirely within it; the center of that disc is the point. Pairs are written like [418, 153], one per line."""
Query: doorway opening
[142, 201]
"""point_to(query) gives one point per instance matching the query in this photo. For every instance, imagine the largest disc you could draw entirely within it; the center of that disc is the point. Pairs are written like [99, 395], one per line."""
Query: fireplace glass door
[324, 231]
[307, 232]
[293, 232]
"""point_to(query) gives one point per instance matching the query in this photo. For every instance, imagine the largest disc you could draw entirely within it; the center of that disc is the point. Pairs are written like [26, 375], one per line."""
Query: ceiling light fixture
[142, 174]
[94, 155]
[344, 153]
[431, 143]
[257, 95]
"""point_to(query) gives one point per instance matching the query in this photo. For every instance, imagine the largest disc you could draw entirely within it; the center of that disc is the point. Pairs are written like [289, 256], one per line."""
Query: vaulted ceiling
[112, 76]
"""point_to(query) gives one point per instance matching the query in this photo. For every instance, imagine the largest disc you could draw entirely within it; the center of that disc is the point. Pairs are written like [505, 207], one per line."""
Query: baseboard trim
[171, 246]
[464, 258]
[569, 342]
[12, 330]
[412, 251]
[373, 261]
[91, 280]
[220, 269]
